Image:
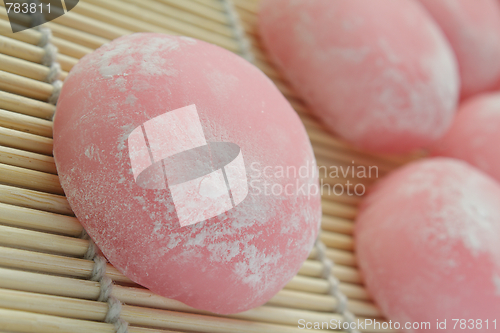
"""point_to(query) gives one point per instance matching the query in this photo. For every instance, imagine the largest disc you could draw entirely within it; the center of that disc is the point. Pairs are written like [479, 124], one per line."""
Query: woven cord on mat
[333, 289]
[106, 285]
[50, 56]
[239, 33]
[99, 268]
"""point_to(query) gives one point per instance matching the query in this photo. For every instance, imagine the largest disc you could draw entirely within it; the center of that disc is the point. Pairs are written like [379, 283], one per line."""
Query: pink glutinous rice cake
[475, 134]
[427, 245]
[473, 30]
[160, 144]
[380, 74]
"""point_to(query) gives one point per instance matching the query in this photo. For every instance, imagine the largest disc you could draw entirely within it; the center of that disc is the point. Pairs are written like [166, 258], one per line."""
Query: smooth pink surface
[427, 244]
[475, 134]
[378, 73]
[473, 29]
[226, 264]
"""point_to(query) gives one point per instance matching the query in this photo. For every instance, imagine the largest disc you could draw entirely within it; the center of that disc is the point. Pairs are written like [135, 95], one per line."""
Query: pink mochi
[475, 134]
[473, 29]
[427, 242]
[161, 144]
[378, 73]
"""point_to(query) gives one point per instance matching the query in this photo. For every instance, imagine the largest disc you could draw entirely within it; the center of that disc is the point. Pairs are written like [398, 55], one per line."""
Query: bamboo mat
[45, 281]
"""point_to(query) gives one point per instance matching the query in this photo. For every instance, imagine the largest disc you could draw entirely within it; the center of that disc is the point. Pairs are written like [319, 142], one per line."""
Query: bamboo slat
[34, 219]
[22, 321]
[94, 27]
[96, 311]
[42, 201]
[115, 18]
[34, 37]
[217, 5]
[173, 12]
[336, 224]
[30, 179]
[24, 86]
[198, 9]
[27, 106]
[32, 53]
[78, 37]
[249, 6]
[29, 36]
[338, 210]
[136, 19]
[23, 123]
[21, 50]
[25, 68]
[26, 141]
[42, 241]
[53, 264]
[27, 160]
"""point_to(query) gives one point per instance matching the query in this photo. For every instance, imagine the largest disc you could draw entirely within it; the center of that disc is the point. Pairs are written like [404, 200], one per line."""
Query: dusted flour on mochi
[380, 74]
[427, 244]
[164, 146]
[473, 30]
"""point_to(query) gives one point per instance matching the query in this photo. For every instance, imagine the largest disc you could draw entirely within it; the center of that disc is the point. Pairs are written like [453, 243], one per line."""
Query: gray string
[105, 286]
[115, 308]
[99, 268]
[121, 326]
[54, 72]
[46, 36]
[49, 58]
[50, 55]
[238, 31]
[57, 86]
[333, 286]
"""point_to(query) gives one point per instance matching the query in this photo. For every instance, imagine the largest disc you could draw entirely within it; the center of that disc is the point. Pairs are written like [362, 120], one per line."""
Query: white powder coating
[92, 152]
[427, 242]
[465, 211]
[473, 30]
[496, 282]
[147, 55]
[228, 263]
[381, 75]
